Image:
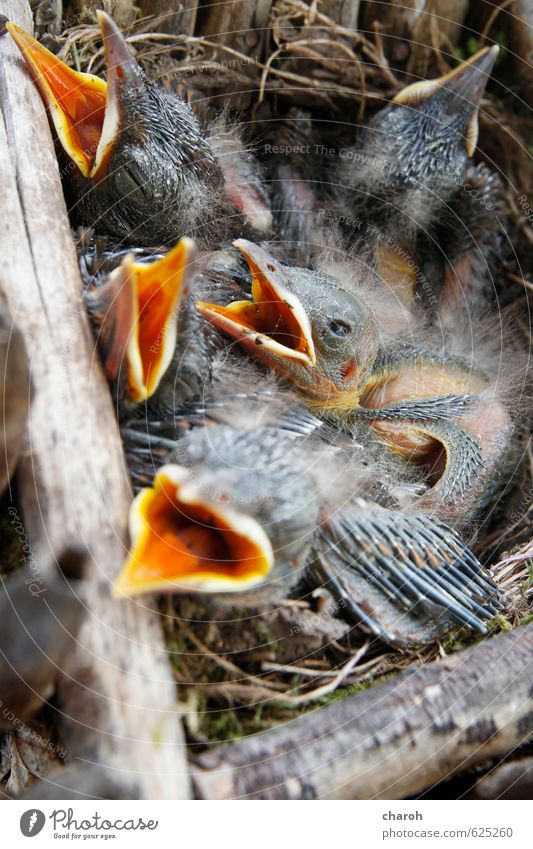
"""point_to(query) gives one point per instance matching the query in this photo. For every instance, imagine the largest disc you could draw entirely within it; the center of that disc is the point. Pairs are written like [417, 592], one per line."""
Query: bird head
[135, 315]
[135, 147]
[229, 514]
[241, 513]
[302, 323]
[427, 134]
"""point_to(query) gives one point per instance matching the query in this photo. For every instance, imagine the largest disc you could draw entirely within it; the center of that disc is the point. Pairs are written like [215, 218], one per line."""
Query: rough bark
[15, 394]
[177, 17]
[421, 23]
[39, 621]
[513, 780]
[117, 692]
[520, 24]
[241, 24]
[344, 12]
[392, 740]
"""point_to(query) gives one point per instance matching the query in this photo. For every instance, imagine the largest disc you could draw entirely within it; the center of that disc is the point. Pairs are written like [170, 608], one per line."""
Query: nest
[309, 59]
[300, 659]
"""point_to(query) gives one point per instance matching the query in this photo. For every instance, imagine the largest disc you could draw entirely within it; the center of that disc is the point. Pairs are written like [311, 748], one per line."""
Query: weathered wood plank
[422, 24]
[177, 17]
[344, 12]
[519, 21]
[117, 691]
[239, 24]
[393, 740]
[15, 395]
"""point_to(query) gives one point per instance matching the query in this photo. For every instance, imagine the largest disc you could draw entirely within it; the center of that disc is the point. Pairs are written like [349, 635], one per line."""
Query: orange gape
[268, 314]
[157, 300]
[76, 101]
[181, 544]
[190, 539]
[84, 108]
[274, 316]
[262, 317]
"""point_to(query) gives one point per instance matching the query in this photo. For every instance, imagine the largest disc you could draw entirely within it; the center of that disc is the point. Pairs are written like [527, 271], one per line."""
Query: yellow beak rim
[182, 542]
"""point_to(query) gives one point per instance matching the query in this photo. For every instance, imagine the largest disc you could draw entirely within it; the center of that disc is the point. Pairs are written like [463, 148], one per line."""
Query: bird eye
[129, 183]
[340, 328]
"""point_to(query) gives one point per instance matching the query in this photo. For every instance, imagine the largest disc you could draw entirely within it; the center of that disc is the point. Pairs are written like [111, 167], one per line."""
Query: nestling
[326, 339]
[144, 169]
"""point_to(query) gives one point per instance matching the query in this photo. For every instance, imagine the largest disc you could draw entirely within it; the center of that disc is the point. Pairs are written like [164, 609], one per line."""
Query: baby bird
[242, 512]
[410, 178]
[157, 350]
[141, 313]
[431, 409]
[213, 523]
[144, 169]
[293, 169]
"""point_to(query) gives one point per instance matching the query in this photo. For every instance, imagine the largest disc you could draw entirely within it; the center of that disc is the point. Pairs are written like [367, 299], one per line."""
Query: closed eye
[130, 183]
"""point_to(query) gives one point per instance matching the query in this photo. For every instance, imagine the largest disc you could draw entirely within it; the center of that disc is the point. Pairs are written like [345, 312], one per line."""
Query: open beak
[274, 324]
[137, 311]
[181, 542]
[464, 85]
[76, 102]
[85, 110]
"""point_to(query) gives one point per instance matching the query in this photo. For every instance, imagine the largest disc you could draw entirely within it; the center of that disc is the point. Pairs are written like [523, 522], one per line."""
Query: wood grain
[178, 18]
[239, 24]
[15, 395]
[116, 692]
[392, 740]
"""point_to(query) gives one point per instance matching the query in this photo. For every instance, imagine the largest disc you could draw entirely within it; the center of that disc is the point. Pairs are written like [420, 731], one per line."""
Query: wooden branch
[240, 24]
[392, 740]
[178, 18]
[39, 621]
[519, 21]
[15, 394]
[117, 691]
[513, 780]
[344, 12]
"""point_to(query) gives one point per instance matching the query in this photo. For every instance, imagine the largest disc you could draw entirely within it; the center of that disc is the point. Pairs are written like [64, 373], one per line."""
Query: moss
[472, 46]
[176, 650]
[500, 625]
[456, 639]
[227, 726]
[222, 724]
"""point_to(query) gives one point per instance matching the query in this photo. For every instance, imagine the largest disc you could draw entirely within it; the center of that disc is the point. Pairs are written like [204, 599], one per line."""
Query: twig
[492, 17]
[392, 740]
